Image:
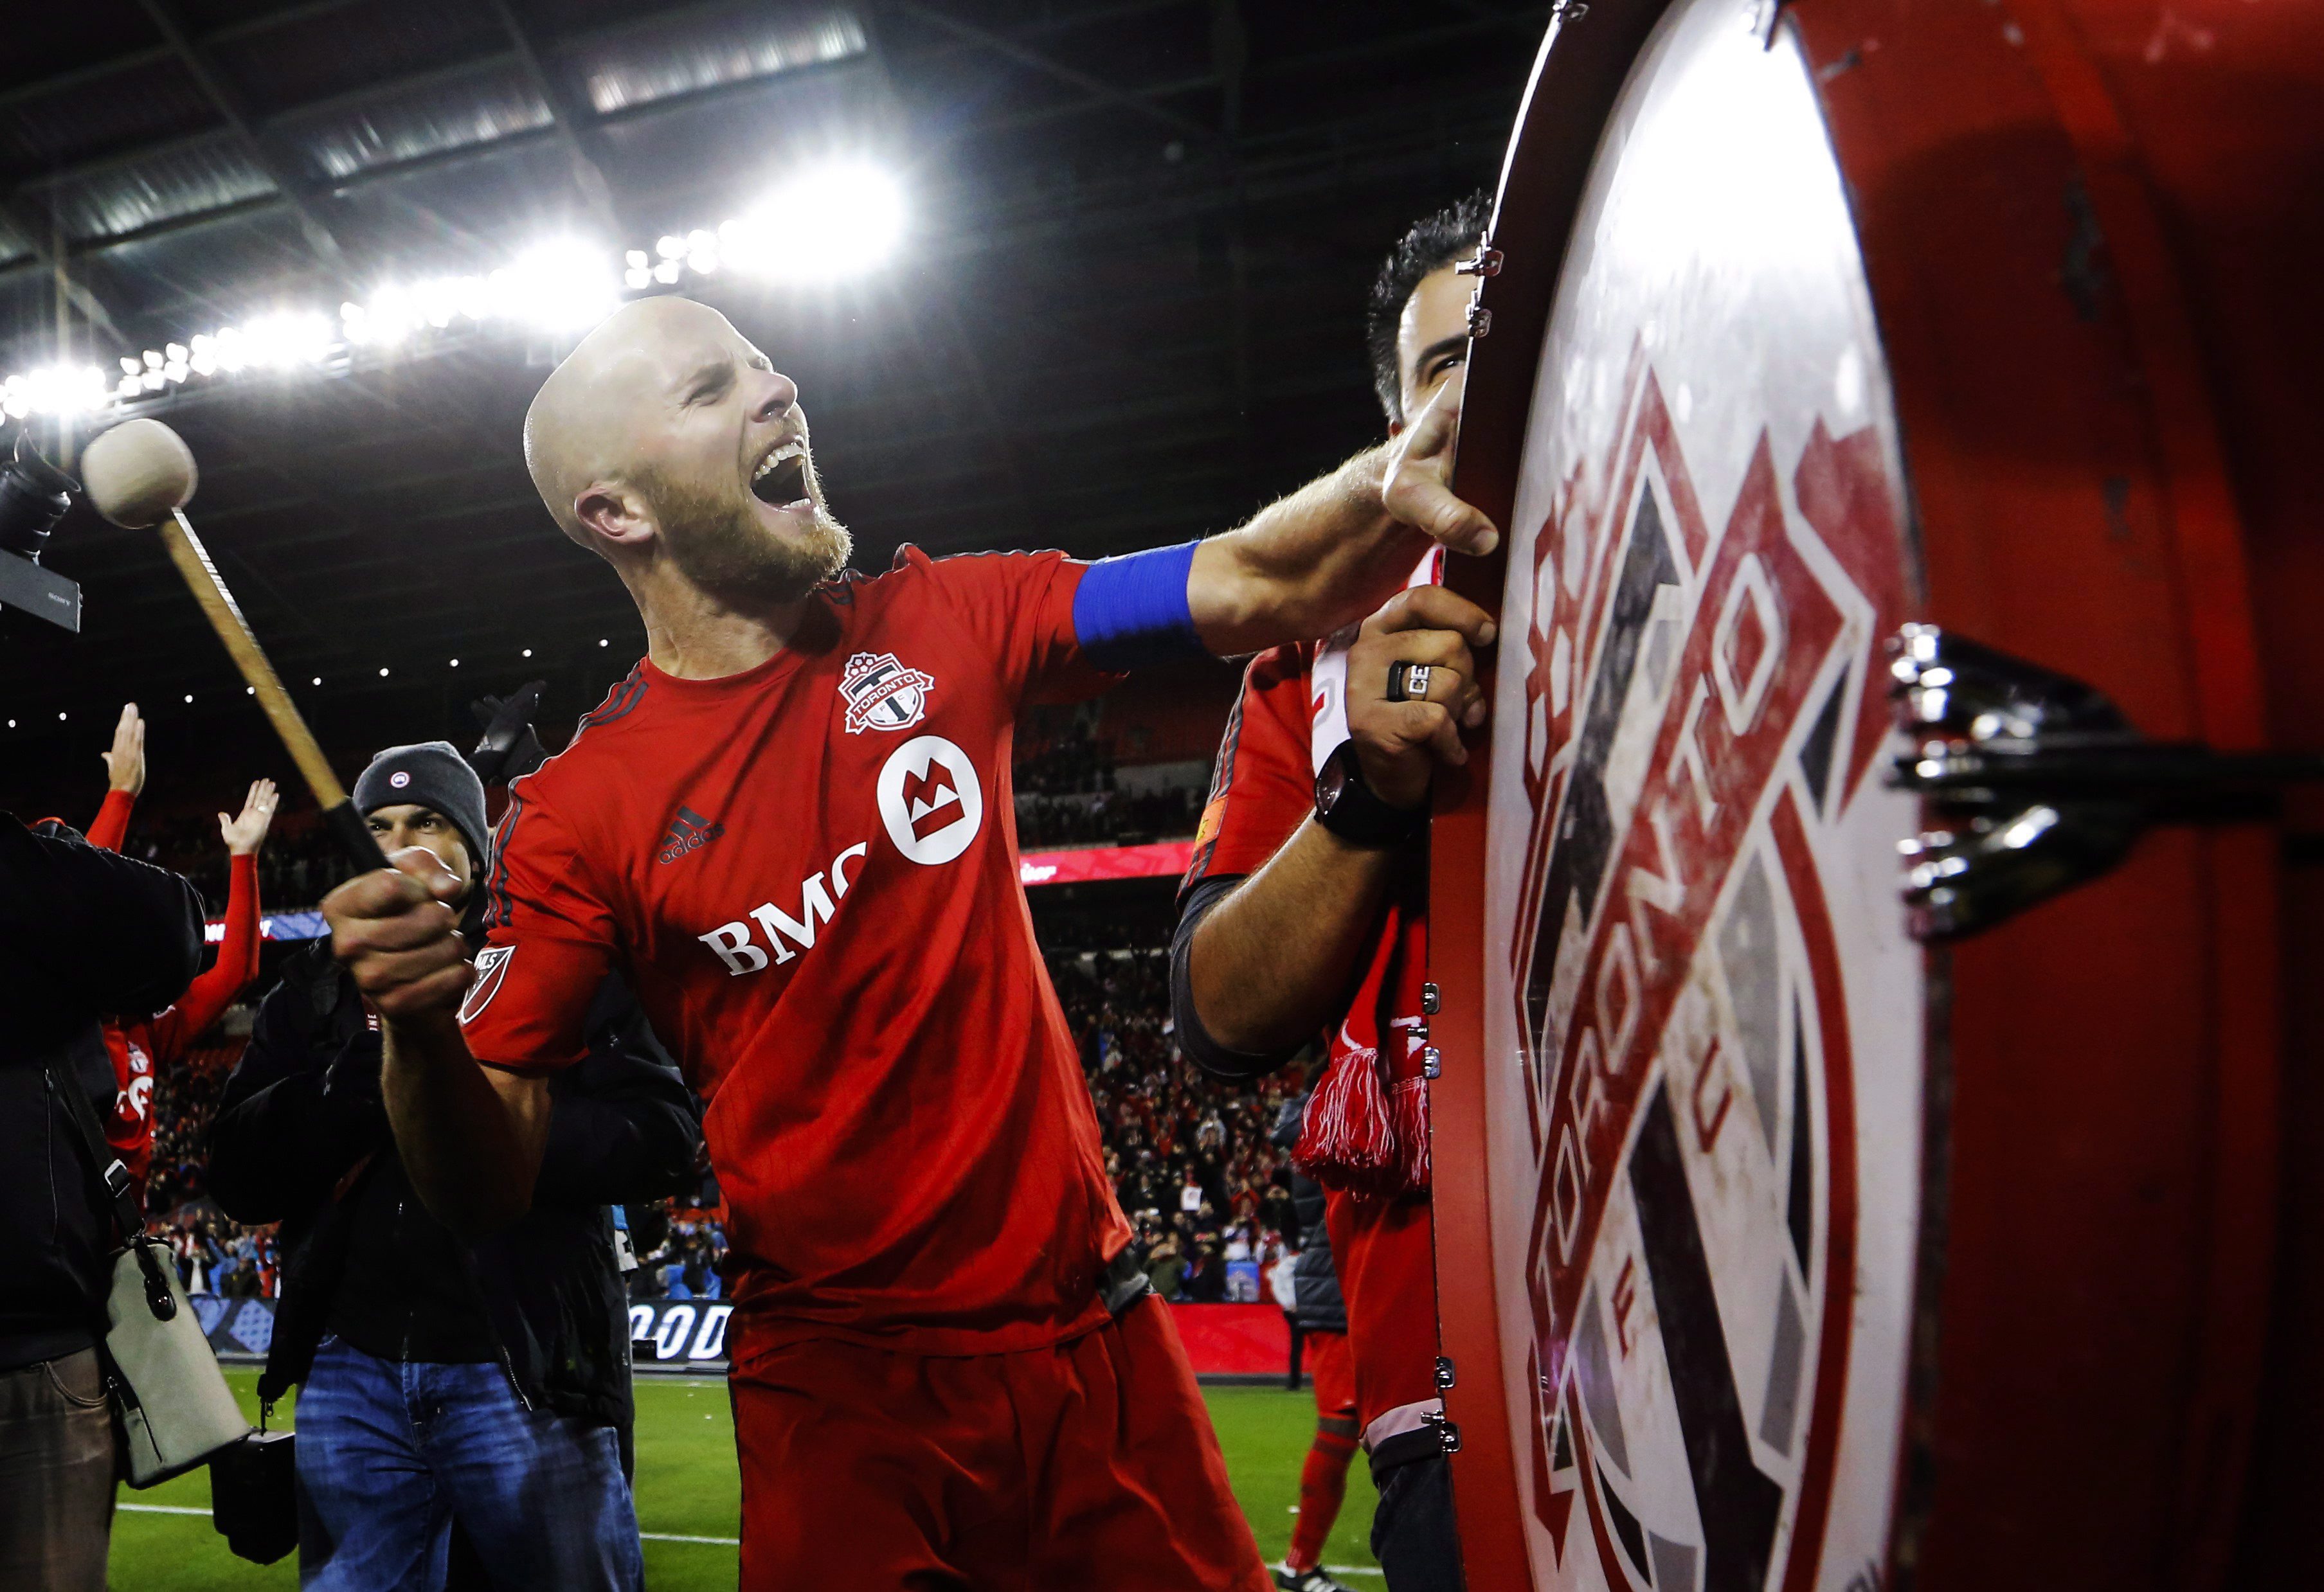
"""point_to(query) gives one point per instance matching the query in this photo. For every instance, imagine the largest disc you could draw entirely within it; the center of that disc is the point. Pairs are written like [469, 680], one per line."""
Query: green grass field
[686, 1488]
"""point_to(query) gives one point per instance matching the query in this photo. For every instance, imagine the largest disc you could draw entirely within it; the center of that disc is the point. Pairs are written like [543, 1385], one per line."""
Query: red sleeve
[549, 944]
[237, 965]
[1264, 782]
[112, 819]
[1020, 606]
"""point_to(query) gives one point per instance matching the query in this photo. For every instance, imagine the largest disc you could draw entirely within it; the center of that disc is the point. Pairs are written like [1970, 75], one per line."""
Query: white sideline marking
[714, 1542]
[159, 1509]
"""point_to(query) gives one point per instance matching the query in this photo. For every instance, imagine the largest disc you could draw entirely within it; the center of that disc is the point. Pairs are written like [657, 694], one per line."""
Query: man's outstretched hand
[1417, 487]
[124, 760]
[397, 933]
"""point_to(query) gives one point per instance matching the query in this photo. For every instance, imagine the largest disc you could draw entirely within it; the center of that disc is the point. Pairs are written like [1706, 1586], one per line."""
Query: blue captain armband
[1132, 612]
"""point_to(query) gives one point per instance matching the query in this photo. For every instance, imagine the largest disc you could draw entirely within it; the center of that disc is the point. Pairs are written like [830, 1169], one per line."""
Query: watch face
[1331, 784]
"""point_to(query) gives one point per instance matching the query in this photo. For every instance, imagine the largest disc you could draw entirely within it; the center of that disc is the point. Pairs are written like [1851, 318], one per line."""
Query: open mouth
[780, 479]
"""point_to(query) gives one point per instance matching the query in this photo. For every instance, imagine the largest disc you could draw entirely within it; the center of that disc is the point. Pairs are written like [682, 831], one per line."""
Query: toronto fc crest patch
[882, 693]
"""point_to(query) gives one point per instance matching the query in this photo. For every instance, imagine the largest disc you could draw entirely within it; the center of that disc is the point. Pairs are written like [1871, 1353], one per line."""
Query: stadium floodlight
[832, 221]
[281, 340]
[560, 284]
[57, 389]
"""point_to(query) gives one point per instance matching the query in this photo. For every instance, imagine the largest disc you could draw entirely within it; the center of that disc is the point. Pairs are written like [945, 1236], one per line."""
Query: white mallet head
[137, 472]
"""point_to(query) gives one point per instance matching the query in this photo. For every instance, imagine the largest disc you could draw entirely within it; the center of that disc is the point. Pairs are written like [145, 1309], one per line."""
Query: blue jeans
[389, 1455]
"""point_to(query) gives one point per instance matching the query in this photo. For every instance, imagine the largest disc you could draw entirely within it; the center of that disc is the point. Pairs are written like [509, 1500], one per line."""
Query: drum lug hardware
[2039, 783]
[1569, 11]
[1486, 261]
[1432, 1062]
[1443, 1372]
[1431, 999]
[1480, 321]
[1448, 1435]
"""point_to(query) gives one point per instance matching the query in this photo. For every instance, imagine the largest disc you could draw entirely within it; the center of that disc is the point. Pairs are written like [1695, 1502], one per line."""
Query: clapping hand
[246, 832]
[124, 761]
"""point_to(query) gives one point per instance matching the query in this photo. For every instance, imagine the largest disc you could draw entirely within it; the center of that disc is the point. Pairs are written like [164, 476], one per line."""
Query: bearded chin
[722, 547]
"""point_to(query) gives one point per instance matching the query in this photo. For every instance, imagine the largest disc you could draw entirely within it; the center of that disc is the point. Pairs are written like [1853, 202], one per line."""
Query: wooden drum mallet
[140, 475]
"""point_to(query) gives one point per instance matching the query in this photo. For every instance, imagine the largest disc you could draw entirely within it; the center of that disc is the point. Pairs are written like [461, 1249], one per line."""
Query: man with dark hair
[485, 1385]
[1417, 282]
[83, 934]
[1304, 914]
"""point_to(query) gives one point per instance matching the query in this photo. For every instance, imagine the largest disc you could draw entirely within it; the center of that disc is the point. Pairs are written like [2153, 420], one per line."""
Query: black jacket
[291, 1129]
[1315, 1282]
[84, 933]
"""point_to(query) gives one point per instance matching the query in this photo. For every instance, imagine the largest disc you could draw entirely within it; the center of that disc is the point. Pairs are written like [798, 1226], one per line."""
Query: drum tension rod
[2041, 782]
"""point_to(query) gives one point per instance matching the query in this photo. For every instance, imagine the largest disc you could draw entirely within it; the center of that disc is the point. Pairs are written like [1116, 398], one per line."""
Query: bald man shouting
[791, 828]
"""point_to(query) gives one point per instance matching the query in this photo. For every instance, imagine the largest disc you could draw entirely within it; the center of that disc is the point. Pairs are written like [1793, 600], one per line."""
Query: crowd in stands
[298, 867]
[1105, 818]
[184, 1096]
[216, 1255]
[1192, 1158]
[1067, 792]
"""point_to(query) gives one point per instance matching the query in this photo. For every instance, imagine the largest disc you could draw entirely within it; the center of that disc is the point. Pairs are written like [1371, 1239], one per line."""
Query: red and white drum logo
[1713, 698]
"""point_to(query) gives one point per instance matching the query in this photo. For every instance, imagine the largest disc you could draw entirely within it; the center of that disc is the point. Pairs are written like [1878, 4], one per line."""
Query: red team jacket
[1382, 1247]
[142, 1047]
[809, 873]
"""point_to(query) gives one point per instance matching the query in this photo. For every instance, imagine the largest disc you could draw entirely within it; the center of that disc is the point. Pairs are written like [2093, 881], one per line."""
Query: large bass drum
[1837, 361]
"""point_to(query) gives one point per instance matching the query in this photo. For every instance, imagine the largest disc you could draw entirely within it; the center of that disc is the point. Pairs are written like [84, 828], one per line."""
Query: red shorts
[1332, 1366]
[1090, 1463]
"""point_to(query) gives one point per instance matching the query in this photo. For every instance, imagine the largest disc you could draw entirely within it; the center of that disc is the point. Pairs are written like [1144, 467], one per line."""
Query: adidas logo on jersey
[688, 832]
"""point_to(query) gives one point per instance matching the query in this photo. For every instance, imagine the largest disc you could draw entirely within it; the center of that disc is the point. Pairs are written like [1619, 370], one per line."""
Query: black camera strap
[121, 1190]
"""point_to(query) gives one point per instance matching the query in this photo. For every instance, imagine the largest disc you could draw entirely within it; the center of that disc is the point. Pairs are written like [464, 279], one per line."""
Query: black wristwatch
[1353, 811]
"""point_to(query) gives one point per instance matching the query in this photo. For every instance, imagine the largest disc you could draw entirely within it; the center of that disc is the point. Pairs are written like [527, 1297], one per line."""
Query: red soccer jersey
[809, 873]
[1383, 1248]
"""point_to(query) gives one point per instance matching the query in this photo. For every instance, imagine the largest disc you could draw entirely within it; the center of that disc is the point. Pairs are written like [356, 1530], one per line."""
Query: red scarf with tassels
[1366, 1128]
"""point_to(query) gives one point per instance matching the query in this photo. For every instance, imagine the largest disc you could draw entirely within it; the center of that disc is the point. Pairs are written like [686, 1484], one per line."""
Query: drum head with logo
[1705, 1032]
[1777, 1250]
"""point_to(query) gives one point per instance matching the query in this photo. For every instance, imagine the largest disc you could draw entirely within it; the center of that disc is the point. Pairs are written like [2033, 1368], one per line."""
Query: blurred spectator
[1205, 1280]
[82, 932]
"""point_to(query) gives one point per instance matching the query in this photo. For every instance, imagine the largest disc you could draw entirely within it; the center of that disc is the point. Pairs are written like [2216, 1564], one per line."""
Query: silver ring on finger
[1407, 682]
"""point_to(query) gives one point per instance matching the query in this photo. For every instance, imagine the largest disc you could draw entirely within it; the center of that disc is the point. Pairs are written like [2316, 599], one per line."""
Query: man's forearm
[1305, 564]
[1273, 960]
[470, 1141]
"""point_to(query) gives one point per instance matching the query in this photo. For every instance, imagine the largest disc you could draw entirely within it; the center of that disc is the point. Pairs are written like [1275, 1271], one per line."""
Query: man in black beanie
[485, 1385]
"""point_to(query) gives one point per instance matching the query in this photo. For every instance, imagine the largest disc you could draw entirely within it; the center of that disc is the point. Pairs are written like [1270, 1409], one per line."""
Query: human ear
[612, 512]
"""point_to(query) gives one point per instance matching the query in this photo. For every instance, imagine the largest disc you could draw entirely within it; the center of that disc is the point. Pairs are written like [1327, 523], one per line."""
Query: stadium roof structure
[1125, 311]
